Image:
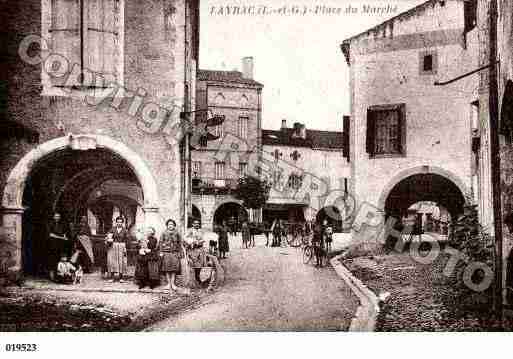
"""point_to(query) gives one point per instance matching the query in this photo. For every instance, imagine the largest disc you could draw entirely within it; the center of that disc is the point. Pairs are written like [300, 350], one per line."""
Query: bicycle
[309, 254]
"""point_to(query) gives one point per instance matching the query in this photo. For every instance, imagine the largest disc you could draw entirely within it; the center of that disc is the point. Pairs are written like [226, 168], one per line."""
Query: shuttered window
[243, 169]
[87, 34]
[345, 148]
[219, 170]
[242, 127]
[385, 130]
[196, 169]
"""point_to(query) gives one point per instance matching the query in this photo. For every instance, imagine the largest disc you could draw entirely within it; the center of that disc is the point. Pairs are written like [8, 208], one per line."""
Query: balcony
[206, 185]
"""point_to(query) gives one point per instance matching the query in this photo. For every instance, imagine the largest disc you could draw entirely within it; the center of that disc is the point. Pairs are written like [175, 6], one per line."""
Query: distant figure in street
[245, 235]
[147, 266]
[319, 247]
[224, 245]
[328, 237]
[266, 229]
[277, 233]
[116, 240]
[232, 226]
[252, 232]
[59, 243]
[171, 252]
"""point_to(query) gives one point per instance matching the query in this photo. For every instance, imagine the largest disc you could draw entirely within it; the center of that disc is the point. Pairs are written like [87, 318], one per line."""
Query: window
[242, 127]
[470, 14]
[88, 34]
[428, 62]
[219, 170]
[243, 169]
[203, 141]
[386, 130]
[196, 169]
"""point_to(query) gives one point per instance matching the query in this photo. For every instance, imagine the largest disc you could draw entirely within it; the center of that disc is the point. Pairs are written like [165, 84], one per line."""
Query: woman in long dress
[171, 252]
[117, 239]
[58, 243]
[246, 235]
[224, 245]
[83, 255]
[147, 266]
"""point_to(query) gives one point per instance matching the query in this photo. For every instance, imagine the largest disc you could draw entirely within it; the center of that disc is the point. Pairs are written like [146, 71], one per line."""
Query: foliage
[252, 191]
[470, 238]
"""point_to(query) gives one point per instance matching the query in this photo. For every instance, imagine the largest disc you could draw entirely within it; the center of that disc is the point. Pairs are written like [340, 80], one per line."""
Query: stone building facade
[505, 112]
[217, 165]
[410, 140]
[93, 90]
[304, 157]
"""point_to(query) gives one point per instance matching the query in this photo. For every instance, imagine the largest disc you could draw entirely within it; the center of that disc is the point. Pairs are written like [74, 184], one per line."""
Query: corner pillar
[11, 238]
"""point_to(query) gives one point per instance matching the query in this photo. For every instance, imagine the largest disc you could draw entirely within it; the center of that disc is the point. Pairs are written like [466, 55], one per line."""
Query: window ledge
[387, 155]
[81, 93]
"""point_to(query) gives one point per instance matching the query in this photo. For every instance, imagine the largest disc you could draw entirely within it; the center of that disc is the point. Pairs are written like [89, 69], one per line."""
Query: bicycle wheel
[307, 254]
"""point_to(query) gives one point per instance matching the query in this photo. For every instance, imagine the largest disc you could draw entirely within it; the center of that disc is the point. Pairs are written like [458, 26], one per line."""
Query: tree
[252, 191]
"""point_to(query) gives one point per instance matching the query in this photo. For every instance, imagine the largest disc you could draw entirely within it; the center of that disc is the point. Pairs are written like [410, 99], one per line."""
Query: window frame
[222, 166]
[196, 165]
[49, 88]
[434, 62]
[243, 169]
[240, 133]
[401, 109]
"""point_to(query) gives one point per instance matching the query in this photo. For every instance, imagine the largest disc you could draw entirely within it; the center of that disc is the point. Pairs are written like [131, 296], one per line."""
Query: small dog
[78, 275]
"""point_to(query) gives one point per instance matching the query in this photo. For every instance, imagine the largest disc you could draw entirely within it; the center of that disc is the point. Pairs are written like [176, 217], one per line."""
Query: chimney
[283, 128]
[247, 67]
[302, 132]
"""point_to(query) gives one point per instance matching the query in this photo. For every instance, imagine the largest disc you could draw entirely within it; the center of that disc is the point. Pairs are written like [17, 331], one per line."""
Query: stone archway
[227, 210]
[411, 187]
[12, 198]
[421, 170]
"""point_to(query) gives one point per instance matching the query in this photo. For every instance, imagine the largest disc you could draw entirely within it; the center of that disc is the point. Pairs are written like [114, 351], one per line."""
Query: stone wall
[385, 68]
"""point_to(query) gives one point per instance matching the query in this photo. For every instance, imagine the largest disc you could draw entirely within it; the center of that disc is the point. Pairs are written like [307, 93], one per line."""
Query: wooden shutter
[401, 128]
[345, 148]
[101, 37]
[65, 37]
[371, 130]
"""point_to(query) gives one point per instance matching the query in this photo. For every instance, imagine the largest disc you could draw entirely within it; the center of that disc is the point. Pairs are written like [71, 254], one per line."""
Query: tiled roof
[314, 139]
[226, 76]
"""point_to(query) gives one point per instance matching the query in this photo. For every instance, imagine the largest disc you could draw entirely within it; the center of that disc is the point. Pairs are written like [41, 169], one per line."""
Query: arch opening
[91, 194]
[86, 175]
[425, 202]
[230, 212]
[331, 216]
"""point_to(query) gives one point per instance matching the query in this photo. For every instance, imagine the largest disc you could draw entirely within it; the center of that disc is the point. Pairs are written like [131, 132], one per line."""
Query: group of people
[322, 242]
[160, 256]
[71, 251]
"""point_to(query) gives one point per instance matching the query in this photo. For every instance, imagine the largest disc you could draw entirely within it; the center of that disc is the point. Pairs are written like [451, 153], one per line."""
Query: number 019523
[21, 347]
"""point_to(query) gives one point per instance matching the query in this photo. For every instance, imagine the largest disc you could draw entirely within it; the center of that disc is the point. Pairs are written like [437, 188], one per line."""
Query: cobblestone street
[270, 289]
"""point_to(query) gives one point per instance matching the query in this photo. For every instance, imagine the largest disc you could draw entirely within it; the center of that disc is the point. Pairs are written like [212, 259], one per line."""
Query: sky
[297, 57]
